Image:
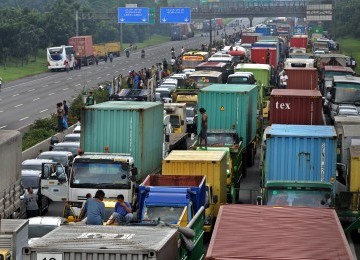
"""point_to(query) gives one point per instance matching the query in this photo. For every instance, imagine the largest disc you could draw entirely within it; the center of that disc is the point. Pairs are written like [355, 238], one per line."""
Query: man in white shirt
[283, 80]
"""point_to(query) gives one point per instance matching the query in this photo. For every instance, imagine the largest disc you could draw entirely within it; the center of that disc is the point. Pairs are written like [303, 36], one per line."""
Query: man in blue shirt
[95, 209]
[123, 210]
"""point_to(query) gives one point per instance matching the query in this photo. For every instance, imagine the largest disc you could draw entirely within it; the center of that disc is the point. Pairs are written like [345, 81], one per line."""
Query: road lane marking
[16, 95]
[56, 82]
[36, 99]
[107, 74]
[31, 90]
[77, 85]
[23, 118]
[1, 111]
[98, 77]
[3, 126]
[51, 94]
[65, 88]
[42, 111]
[19, 105]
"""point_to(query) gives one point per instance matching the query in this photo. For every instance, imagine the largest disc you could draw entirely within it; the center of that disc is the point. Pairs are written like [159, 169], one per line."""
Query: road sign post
[175, 15]
[133, 15]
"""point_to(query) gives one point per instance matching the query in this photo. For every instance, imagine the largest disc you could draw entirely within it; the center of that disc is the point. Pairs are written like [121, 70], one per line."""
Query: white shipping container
[14, 235]
[74, 242]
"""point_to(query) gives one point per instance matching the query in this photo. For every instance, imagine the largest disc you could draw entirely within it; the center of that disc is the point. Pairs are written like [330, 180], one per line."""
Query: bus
[59, 57]
[204, 78]
[193, 58]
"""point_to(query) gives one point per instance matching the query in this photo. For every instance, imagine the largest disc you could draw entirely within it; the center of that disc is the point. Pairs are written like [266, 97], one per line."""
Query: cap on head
[202, 110]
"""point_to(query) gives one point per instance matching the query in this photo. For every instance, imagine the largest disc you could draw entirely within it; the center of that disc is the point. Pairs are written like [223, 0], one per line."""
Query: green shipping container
[262, 72]
[231, 107]
[131, 127]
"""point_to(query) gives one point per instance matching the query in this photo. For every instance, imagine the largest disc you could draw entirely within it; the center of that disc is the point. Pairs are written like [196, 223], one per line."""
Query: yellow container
[113, 47]
[354, 169]
[99, 50]
[211, 164]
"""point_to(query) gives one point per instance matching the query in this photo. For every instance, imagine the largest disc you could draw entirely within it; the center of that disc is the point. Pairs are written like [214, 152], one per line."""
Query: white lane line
[31, 90]
[1, 111]
[116, 71]
[98, 77]
[65, 88]
[56, 82]
[88, 81]
[16, 95]
[77, 85]
[79, 75]
[51, 94]
[69, 78]
[107, 74]
[36, 99]
[42, 111]
[19, 105]
[23, 118]
[1, 127]
[45, 86]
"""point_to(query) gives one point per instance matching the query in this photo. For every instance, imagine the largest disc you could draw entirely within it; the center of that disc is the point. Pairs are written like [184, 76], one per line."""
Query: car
[72, 138]
[33, 164]
[40, 226]
[63, 157]
[72, 147]
[32, 179]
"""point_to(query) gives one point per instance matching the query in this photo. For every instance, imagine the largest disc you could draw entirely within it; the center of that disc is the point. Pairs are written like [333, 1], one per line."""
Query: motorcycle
[143, 54]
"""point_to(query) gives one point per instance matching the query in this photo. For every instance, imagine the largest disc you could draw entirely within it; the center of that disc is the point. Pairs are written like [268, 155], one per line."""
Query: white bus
[58, 57]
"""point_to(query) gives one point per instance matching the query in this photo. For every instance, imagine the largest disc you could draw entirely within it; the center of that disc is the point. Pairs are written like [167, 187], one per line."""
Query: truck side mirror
[215, 199]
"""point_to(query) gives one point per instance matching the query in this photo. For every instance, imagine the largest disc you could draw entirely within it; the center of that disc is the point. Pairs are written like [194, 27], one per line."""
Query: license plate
[49, 256]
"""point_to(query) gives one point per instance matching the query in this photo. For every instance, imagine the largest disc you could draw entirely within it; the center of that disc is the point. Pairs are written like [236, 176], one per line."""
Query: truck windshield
[190, 112]
[220, 138]
[346, 94]
[175, 120]
[299, 198]
[100, 175]
[170, 215]
[238, 80]
[36, 167]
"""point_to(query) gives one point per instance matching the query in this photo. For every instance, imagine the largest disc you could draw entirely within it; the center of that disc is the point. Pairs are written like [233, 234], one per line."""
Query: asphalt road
[25, 100]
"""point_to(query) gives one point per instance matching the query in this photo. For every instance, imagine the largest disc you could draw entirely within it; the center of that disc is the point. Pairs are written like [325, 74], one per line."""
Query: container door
[54, 182]
[305, 165]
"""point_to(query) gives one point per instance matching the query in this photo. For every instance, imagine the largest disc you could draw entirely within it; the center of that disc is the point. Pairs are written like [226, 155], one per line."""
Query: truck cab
[241, 78]
[5, 254]
[177, 113]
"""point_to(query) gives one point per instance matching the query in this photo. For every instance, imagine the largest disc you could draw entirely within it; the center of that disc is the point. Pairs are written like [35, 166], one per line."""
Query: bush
[39, 131]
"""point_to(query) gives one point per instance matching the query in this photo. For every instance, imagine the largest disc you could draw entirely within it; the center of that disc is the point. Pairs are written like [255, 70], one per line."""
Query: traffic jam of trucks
[301, 114]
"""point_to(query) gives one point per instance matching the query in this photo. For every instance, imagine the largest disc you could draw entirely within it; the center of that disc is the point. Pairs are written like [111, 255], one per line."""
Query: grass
[14, 71]
[350, 47]
[153, 40]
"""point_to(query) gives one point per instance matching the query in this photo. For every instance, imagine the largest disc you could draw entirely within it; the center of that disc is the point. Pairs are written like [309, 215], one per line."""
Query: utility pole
[77, 22]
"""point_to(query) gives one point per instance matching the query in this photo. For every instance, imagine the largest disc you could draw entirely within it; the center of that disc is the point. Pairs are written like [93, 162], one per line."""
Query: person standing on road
[111, 56]
[66, 111]
[32, 208]
[204, 126]
[0, 82]
[95, 209]
[60, 116]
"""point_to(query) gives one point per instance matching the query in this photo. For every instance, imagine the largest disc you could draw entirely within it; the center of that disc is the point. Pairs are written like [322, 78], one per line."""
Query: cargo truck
[83, 242]
[259, 55]
[113, 48]
[345, 90]
[83, 46]
[11, 206]
[296, 107]
[177, 113]
[298, 165]
[249, 37]
[99, 51]
[283, 232]
[345, 137]
[173, 199]
[299, 41]
[327, 74]
[269, 45]
[211, 164]
[14, 235]
[233, 107]
[302, 78]
[182, 31]
[134, 128]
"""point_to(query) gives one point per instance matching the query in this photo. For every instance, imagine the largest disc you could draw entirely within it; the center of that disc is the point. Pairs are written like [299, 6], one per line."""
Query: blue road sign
[175, 15]
[133, 15]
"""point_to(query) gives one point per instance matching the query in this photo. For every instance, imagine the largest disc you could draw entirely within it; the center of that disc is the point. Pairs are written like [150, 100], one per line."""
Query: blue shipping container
[265, 31]
[300, 153]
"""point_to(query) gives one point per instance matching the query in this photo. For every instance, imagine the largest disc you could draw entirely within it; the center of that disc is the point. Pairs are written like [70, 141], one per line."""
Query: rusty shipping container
[250, 37]
[296, 107]
[302, 78]
[83, 47]
[264, 232]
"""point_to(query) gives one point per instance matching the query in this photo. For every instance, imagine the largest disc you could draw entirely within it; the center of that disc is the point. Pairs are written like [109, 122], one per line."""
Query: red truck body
[219, 23]
[299, 41]
[296, 107]
[258, 55]
[250, 37]
[83, 47]
[302, 78]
